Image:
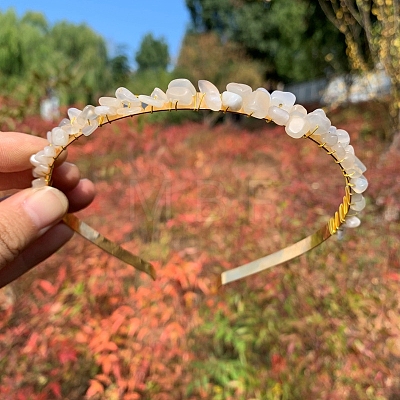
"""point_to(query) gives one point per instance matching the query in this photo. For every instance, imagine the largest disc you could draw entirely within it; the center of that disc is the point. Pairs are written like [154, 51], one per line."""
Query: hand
[30, 227]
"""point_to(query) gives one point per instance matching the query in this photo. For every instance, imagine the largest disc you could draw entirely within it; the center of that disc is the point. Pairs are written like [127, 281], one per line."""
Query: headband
[238, 98]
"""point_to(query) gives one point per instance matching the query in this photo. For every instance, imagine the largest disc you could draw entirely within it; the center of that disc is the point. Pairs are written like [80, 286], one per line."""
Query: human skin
[30, 220]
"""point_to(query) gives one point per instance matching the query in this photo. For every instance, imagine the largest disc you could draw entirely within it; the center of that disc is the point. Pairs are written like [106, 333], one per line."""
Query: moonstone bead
[348, 161]
[49, 151]
[39, 182]
[89, 129]
[352, 222]
[350, 149]
[354, 171]
[63, 122]
[329, 138]
[257, 104]
[212, 97]
[355, 197]
[158, 94]
[340, 152]
[39, 174]
[320, 112]
[59, 137]
[357, 204]
[343, 137]
[183, 83]
[73, 113]
[157, 98]
[278, 115]
[105, 110]
[110, 102]
[360, 165]
[360, 184]
[231, 100]
[261, 89]
[298, 108]
[180, 94]
[127, 97]
[151, 101]
[129, 111]
[34, 161]
[71, 129]
[41, 158]
[284, 100]
[297, 126]
[241, 89]
[41, 170]
[318, 119]
[87, 114]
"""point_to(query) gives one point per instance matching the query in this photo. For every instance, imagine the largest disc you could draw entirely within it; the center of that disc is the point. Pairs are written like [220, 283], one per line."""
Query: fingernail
[45, 206]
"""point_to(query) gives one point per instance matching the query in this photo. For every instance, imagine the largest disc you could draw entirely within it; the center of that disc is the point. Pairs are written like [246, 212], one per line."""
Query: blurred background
[197, 193]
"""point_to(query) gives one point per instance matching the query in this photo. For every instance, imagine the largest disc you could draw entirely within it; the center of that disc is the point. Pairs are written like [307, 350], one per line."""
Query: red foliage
[195, 202]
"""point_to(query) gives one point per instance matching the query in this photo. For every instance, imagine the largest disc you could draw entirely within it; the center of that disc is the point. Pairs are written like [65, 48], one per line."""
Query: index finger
[16, 148]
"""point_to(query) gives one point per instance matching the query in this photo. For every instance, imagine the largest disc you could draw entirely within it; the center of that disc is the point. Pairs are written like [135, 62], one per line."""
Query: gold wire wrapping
[234, 274]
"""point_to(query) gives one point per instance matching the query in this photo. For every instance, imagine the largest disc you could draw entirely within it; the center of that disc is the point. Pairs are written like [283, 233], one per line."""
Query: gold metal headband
[277, 106]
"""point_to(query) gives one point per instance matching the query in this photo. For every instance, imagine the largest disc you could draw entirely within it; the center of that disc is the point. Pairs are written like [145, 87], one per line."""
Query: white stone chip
[257, 104]
[87, 114]
[212, 96]
[329, 138]
[49, 151]
[340, 152]
[105, 110]
[354, 171]
[182, 83]
[357, 205]
[127, 97]
[352, 222]
[110, 102]
[360, 165]
[318, 122]
[232, 101]
[343, 137]
[89, 129]
[350, 149]
[284, 100]
[59, 137]
[180, 94]
[278, 115]
[240, 89]
[73, 113]
[348, 161]
[39, 182]
[297, 126]
[124, 111]
[151, 101]
[298, 108]
[41, 170]
[360, 184]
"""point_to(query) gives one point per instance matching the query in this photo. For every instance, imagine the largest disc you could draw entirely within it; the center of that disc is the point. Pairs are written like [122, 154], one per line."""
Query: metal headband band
[331, 227]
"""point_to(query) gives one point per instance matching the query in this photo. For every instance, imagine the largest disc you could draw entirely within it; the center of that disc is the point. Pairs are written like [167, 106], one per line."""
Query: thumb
[25, 216]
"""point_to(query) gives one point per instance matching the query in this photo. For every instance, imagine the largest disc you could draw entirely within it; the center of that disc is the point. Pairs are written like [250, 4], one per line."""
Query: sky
[120, 23]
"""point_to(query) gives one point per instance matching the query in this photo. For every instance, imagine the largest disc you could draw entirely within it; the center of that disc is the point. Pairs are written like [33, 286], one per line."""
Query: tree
[204, 56]
[21, 49]
[83, 61]
[35, 57]
[372, 25]
[120, 69]
[152, 54]
[289, 37]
